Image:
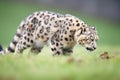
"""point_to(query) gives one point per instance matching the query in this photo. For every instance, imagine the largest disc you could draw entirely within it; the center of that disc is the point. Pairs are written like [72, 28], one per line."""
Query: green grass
[80, 65]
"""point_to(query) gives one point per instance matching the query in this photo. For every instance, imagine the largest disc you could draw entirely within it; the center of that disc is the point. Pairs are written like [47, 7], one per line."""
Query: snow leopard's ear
[93, 28]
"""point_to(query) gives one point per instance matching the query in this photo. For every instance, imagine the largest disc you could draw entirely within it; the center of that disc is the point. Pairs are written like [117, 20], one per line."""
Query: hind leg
[23, 43]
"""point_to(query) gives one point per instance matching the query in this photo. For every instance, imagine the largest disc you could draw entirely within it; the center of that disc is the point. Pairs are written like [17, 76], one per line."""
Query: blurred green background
[99, 13]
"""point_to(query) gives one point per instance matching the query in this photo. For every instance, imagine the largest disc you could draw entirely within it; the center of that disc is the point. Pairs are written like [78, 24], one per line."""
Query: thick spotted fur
[61, 32]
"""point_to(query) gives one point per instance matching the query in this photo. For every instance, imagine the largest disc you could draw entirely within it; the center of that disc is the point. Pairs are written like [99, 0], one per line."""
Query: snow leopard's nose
[90, 49]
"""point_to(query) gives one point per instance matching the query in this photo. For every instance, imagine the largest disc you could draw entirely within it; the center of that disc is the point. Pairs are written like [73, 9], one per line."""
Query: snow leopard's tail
[12, 45]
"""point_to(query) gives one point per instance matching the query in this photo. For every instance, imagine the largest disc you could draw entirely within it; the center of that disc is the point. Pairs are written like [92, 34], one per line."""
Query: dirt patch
[70, 60]
[73, 60]
[105, 55]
